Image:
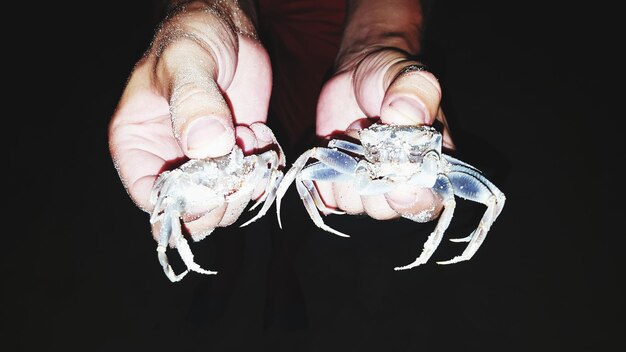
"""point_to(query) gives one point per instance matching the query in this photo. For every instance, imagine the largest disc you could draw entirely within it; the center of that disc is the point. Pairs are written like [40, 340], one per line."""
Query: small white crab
[201, 185]
[392, 155]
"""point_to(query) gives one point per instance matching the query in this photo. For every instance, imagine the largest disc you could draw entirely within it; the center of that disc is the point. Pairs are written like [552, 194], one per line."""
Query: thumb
[202, 120]
[412, 98]
[201, 117]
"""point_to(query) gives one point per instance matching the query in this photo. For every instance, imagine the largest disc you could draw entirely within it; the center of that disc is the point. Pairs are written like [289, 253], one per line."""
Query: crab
[389, 156]
[202, 185]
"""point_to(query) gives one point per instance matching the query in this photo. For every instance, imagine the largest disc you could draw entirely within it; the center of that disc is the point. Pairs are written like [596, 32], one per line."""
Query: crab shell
[202, 185]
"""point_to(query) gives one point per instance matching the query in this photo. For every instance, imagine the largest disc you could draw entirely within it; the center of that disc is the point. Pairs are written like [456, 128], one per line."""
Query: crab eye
[372, 154]
[366, 136]
[415, 149]
[414, 155]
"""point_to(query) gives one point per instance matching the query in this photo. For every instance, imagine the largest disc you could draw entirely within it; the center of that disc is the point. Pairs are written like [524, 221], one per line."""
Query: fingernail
[208, 137]
[408, 109]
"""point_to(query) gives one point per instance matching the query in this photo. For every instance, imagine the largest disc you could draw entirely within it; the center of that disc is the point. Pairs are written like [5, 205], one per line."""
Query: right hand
[205, 78]
[374, 87]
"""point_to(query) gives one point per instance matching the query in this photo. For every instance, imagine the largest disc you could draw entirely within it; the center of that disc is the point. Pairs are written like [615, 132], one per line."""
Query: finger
[448, 143]
[201, 227]
[346, 198]
[377, 208]
[233, 211]
[192, 71]
[407, 200]
[246, 140]
[267, 140]
[250, 143]
[412, 97]
[354, 128]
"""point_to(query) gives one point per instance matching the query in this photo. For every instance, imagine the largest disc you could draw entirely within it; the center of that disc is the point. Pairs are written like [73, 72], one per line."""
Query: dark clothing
[302, 38]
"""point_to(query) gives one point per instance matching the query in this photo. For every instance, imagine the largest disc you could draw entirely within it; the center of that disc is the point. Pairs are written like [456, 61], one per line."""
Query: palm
[338, 106]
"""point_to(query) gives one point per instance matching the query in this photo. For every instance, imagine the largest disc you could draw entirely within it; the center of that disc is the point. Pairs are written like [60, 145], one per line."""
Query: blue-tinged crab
[389, 156]
[201, 185]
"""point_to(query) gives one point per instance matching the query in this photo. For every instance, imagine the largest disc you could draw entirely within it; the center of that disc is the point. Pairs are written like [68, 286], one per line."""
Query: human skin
[381, 38]
[203, 80]
[206, 78]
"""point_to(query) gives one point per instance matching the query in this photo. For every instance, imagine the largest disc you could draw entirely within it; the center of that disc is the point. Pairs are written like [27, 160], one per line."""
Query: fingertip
[448, 143]
[198, 227]
[421, 204]
[341, 195]
[353, 129]
[246, 139]
[140, 191]
[207, 137]
[412, 98]
[377, 208]
[405, 110]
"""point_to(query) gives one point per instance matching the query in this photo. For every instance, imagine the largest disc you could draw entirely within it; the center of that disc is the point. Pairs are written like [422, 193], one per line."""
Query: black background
[526, 88]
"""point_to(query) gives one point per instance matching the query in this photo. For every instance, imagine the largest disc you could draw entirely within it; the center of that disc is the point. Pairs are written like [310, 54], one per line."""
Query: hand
[204, 79]
[372, 82]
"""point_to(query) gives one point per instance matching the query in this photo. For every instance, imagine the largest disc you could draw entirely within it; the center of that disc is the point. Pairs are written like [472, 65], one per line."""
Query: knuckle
[190, 95]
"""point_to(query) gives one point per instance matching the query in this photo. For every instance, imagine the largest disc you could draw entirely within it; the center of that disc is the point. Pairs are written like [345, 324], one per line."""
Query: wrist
[207, 32]
[239, 14]
[373, 26]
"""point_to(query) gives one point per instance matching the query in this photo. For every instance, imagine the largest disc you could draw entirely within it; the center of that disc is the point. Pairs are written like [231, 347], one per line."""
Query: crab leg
[332, 158]
[471, 185]
[272, 175]
[156, 197]
[444, 188]
[427, 176]
[347, 146]
[288, 179]
[457, 162]
[460, 166]
[365, 186]
[309, 205]
[158, 184]
[268, 196]
[170, 226]
[168, 218]
[320, 172]
[185, 252]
